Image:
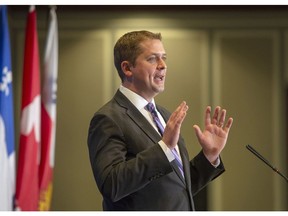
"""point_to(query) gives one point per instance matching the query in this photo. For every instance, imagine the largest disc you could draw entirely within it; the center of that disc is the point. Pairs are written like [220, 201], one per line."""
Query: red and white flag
[48, 113]
[27, 183]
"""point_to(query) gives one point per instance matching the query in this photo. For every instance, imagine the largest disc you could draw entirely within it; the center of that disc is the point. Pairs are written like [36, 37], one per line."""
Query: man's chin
[160, 90]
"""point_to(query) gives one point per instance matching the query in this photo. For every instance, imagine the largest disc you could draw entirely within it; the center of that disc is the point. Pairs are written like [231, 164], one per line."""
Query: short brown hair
[127, 48]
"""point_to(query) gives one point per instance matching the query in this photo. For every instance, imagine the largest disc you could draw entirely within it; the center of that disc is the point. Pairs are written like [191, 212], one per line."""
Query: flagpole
[48, 112]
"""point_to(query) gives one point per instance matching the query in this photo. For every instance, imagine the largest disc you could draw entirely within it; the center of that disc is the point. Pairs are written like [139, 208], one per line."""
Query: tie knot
[150, 107]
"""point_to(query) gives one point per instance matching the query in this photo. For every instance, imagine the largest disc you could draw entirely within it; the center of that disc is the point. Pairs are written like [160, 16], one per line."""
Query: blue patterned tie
[151, 108]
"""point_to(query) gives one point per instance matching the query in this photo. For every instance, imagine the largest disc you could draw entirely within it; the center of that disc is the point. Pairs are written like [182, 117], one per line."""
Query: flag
[27, 183]
[7, 150]
[48, 112]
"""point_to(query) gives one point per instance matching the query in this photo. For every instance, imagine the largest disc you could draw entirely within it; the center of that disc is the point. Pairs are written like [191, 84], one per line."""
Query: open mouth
[159, 77]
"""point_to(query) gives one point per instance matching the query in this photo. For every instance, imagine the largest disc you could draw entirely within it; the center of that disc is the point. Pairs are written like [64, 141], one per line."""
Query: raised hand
[214, 137]
[173, 126]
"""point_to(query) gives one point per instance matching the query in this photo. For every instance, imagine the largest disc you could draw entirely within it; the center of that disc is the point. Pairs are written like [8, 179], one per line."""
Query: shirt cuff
[168, 152]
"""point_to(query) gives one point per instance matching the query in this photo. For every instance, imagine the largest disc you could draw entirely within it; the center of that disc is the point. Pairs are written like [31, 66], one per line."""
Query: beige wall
[226, 59]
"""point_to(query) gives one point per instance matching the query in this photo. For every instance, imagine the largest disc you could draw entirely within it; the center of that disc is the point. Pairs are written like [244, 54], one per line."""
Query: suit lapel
[185, 161]
[137, 117]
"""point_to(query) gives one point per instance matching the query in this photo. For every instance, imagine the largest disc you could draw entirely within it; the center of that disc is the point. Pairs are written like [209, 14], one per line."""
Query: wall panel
[81, 87]
[245, 71]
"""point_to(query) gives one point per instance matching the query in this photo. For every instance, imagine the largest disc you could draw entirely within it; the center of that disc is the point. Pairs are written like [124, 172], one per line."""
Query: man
[137, 164]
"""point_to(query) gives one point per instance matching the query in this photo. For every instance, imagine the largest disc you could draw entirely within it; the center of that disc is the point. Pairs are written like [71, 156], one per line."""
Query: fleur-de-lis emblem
[5, 80]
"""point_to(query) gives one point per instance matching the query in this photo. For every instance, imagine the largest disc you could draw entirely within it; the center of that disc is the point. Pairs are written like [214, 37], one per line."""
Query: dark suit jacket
[130, 168]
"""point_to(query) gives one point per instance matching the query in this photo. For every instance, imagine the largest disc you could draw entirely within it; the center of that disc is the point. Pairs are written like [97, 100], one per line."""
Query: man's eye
[152, 59]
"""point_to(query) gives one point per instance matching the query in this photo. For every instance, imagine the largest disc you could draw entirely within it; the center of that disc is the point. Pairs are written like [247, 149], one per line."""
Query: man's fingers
[222, 118]
[228, 125]
[218, 118]
[207, 116]
[181, 112]
[197, 131]
[173, 126]
[178, 109]
[216, 115]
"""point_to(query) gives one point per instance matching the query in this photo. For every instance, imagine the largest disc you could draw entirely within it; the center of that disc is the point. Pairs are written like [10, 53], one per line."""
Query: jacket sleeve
[203, 172]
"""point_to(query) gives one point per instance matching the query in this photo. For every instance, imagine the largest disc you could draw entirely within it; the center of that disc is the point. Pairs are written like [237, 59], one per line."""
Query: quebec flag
[7, 151]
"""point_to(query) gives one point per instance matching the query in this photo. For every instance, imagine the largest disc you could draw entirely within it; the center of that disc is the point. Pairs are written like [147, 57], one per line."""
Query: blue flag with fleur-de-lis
[7, 149]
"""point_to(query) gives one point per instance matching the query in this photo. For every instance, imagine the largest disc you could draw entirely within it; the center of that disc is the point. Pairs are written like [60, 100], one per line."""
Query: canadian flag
[27, 183]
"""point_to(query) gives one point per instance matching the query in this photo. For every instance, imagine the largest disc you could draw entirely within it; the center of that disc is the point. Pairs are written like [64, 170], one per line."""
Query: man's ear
[125, 65]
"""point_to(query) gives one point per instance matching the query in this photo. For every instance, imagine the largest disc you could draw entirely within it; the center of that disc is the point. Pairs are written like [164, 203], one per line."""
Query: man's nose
[161, 64]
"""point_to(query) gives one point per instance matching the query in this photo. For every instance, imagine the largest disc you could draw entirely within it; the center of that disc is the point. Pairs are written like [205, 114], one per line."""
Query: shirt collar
[138, 101]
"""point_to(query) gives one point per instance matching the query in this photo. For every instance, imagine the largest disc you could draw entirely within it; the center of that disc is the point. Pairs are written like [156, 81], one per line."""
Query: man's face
[149, 71]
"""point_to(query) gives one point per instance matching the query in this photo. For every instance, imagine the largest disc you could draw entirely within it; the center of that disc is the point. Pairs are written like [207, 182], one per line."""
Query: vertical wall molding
[276, 143]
